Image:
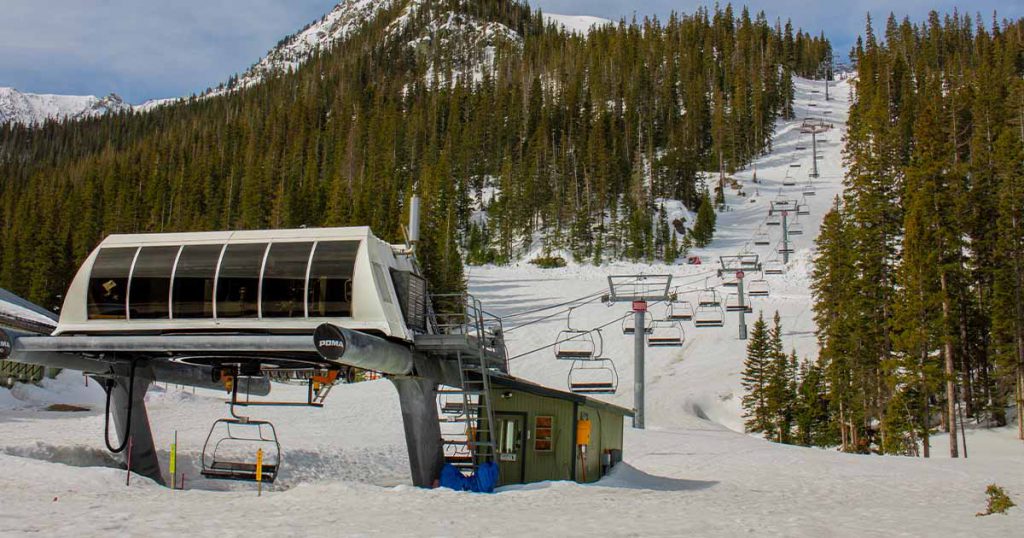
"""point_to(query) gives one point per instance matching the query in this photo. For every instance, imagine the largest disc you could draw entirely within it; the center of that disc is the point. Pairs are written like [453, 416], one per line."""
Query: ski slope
[692, 472]
[702, 378]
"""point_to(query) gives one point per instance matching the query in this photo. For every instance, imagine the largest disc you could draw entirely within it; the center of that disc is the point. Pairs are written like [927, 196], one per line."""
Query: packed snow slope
[691, 473]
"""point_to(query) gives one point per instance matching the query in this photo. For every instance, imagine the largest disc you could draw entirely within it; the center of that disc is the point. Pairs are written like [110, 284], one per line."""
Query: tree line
[919, 274]
[560, 138]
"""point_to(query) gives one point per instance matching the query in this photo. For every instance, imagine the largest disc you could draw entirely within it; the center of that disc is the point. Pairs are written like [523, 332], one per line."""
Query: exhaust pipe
[414, 219]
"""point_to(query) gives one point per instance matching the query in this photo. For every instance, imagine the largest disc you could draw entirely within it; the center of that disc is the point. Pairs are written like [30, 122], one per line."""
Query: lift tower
[814, 128]
[638, 290]
[737, 266]
[783, 208]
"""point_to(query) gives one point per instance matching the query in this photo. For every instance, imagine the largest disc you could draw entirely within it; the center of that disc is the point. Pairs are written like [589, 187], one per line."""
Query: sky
[149, 49]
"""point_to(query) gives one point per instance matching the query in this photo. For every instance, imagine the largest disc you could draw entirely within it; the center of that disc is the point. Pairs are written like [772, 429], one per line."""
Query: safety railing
[462, 314]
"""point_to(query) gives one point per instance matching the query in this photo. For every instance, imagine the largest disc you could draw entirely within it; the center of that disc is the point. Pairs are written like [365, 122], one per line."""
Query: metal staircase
[472, 338]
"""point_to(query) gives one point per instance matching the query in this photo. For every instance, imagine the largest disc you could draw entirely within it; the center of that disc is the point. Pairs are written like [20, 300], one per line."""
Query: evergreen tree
[756, 379]
[703, 230]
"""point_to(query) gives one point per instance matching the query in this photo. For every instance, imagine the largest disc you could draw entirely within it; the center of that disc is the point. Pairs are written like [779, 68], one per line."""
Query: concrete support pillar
[418, 398]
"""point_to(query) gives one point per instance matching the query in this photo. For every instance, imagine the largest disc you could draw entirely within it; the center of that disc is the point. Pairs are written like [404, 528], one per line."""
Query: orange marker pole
[259, 472]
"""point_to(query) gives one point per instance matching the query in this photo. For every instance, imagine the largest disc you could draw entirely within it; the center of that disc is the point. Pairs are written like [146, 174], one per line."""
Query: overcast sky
[146, 49]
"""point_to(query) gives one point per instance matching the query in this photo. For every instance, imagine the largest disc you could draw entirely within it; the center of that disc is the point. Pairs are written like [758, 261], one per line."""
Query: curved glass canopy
[294, 279]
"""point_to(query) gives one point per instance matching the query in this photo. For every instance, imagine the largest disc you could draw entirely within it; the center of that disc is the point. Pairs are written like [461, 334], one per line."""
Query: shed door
[511, 435]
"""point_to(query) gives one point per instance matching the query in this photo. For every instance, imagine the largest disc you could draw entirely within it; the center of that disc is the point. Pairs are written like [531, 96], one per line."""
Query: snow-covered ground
[578, 24]
[692, 472]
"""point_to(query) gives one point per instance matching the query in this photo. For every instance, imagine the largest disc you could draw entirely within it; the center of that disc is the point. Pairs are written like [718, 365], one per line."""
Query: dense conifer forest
[565, 139]
[919, 276]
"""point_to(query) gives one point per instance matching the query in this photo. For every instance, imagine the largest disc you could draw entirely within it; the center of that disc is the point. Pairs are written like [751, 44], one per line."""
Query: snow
[34, 109]
[692, 472]
[576, 24]
[333, 28]
[19, 312]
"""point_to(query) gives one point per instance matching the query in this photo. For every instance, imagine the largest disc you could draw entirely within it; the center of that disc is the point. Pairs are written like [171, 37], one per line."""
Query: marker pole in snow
[639, 331]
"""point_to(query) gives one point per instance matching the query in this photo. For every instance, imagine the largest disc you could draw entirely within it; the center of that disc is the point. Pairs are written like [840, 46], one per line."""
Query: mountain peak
[35, 109]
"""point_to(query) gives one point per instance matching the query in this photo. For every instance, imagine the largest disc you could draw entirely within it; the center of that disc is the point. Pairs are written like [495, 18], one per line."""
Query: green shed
[542, 433]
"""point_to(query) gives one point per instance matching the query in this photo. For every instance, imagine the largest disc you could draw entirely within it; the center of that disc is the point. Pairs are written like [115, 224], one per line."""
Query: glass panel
[330, 279]
[284, 280]
[108, 283]
[509, 436]
[151, 283]
[193, 281]
[238, 287]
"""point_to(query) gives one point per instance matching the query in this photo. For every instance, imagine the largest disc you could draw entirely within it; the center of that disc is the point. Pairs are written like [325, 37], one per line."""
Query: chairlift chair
[597, 376]
[774, 220]
[761, 236]
[774, 267]
[666, 333]
[730, 281]
[810, 190]
[796, 228]
[629, 324]
[803, 209]
[708, 316]
[577, 344]
[679, 311]
[750, 263]
[233, 455]
[732, 304]
[709, 298]
[758, 287]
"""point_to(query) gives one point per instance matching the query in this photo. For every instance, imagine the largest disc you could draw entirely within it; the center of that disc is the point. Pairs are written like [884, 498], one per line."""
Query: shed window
[193, 281]
[284, 280]
[543, 434]
[239, 281]
[108, 283]
[151, 283]
[330, 279]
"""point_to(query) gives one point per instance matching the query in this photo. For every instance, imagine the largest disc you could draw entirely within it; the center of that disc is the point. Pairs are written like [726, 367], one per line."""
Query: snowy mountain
[34, 109]
[465, 40]
[344, 19]
[457, 36]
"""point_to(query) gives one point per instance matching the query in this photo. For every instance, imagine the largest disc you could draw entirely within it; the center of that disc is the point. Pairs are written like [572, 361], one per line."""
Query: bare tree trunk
[842, 427]
[1020, 386]
[925, 418]
[950, 374]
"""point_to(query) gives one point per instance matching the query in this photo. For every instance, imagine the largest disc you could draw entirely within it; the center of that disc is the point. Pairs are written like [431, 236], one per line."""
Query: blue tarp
[482, 481]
